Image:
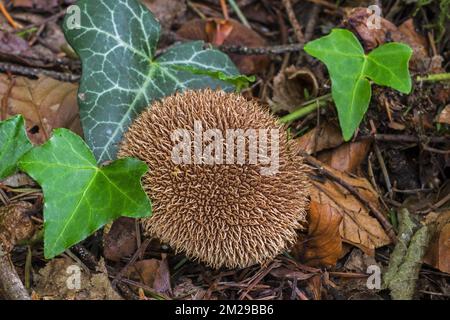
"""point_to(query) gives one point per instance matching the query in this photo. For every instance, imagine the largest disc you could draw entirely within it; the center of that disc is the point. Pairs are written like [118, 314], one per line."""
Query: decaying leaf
[15, 225]
[45, 104]
[347, 157]
[444, 116]
[120, 240]
[52, 282]
[325, 136]
[358, 227]
[154, 273]
[438, 254]
[292, 87]
[323, 244]
[166, 11]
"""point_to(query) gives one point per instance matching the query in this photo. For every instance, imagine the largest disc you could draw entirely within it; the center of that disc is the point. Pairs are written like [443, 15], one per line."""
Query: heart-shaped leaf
[116, 41]
[350, 70]
[79, 196]
[14, 144]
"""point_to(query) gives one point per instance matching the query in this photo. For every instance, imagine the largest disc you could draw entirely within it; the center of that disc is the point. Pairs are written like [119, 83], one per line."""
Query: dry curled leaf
[292, 87]
[44, 103]
[15, 224]
[323, 244]
[444, 116]
[120, 240]
[438, 254]
[154, 273]
[325, 136]
[358, 227]
[347, 157]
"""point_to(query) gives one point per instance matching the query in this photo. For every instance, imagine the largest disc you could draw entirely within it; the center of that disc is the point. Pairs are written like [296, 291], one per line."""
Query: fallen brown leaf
[120, 240]
[154, 273]
[292, 87]
[444, 116]
[347, 157]
[438, 254]
[325, 136]
[323, 244]
[358, 227]
[45, 104]
[15, 225]
[166, 11]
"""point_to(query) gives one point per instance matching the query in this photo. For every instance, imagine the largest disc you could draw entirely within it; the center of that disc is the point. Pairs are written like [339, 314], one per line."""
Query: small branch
[8, 17]
[11, 287]
[262, 50]
[377, 213]
[35, 72]
[294, 22]
[405, 138]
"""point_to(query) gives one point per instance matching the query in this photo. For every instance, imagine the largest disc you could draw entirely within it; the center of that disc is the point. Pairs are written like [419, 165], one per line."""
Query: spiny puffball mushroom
[225, 215]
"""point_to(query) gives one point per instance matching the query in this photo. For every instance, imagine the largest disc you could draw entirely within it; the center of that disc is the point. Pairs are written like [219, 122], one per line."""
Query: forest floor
[398, 160]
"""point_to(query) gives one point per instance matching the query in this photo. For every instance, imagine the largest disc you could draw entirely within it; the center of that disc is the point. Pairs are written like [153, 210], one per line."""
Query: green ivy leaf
[351, 69]
[79, 196]
[116, 41]
[14, 144]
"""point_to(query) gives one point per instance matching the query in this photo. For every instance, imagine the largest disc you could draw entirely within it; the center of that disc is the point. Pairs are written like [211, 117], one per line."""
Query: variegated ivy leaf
[116, 41]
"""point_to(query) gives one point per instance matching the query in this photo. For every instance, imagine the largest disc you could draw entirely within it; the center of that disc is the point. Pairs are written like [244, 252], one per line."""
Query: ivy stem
[306, 109]
[435, 77]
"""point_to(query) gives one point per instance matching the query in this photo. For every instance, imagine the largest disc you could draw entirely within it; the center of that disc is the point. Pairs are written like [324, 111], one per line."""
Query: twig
[239, 13]
[35, 72]
[224, 7]
[309, 28]
[405, 138]
[11, 287]
[133, 259]
[43, 22]
[8, 17]
[294, 22]
[262, 50]
[379, 215]
[380, 159]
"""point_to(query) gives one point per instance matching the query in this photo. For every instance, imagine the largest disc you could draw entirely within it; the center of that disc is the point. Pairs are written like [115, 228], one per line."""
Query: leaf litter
[345, 235]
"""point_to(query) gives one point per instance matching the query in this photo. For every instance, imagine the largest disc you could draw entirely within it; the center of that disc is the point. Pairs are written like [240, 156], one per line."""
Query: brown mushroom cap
[228, 215]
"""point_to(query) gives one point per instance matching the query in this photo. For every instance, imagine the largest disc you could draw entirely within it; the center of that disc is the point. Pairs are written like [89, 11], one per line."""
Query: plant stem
[239, 13]
[306, 109]
[435, 77]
